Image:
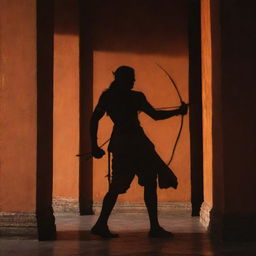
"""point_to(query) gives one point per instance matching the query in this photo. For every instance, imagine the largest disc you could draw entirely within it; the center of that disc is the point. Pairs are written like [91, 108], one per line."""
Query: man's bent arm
[98, 113]
[162, 114]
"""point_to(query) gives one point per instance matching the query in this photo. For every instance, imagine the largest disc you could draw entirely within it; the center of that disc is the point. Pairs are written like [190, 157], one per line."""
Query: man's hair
[123, 72]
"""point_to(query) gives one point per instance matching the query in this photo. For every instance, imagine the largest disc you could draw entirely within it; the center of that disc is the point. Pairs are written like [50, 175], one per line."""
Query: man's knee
[118, 189]
[112, 193]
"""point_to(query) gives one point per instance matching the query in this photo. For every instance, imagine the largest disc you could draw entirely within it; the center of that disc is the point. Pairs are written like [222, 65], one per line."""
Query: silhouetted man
[133, 153]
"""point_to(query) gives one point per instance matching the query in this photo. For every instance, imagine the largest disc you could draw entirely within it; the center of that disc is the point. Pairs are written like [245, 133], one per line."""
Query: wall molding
[70, 206]
[18, 224]
[134, 207]
[65, 205]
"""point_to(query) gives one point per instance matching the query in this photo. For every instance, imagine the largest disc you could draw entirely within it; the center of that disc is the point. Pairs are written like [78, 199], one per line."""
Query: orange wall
[140, 36]
[135, 34]
[18, 106]
[66, 99]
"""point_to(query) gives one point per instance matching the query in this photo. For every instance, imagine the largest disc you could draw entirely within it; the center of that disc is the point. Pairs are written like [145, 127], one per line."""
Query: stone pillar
[44, 210]
[86, 108]
[208, 68]
[23, 167]
[233, 94]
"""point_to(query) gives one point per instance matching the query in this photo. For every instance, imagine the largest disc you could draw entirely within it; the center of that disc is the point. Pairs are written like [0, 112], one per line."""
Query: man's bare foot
[103, 231]
[160, 232]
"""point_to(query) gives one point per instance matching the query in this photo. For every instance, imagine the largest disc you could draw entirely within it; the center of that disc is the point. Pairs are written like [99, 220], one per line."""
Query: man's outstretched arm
[161, 114]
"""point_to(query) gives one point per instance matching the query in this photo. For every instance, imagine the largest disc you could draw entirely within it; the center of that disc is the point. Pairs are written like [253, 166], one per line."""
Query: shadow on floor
[131, 243]
[85, 235]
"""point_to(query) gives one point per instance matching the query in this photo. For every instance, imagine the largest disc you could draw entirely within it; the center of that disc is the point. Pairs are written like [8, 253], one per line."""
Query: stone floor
[74, 239]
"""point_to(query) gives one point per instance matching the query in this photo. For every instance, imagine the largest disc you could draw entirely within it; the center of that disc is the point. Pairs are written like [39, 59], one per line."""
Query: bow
[182, 118]
[89, 155]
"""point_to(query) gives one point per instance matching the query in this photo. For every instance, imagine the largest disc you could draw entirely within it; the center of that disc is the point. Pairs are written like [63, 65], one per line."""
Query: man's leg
[121, 180]
[107, 207]
[150, 197]
[101, 226]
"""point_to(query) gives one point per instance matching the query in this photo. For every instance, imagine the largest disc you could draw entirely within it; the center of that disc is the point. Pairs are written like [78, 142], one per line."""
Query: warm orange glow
[66, 116]
[158, 90]
[207, 99]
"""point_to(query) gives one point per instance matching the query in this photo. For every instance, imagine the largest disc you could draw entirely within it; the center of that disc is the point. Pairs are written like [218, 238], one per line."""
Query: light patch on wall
[66, 116]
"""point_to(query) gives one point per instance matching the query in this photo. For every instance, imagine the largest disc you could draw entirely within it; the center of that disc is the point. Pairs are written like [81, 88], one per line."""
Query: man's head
[125, 76]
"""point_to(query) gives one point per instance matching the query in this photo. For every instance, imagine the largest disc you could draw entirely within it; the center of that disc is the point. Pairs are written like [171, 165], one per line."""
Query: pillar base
[46, 225]
[232, 227]
[205, 214]
[18, 225]
[86, 207]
